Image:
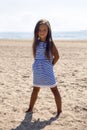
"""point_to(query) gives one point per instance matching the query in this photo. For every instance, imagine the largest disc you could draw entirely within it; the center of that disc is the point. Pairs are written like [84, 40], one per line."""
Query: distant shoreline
[76, 35]
[30, 40]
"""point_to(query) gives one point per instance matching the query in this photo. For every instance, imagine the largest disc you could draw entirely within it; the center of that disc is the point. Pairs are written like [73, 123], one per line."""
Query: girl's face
[43, 31]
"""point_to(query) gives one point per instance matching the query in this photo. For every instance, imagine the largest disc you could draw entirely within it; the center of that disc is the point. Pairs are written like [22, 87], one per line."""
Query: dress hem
[45, 86]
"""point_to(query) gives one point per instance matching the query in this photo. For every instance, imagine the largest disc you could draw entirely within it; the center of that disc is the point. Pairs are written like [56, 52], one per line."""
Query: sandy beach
[16, 86]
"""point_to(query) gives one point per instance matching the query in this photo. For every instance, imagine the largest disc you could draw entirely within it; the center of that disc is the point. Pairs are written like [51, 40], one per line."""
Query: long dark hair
[49, 40]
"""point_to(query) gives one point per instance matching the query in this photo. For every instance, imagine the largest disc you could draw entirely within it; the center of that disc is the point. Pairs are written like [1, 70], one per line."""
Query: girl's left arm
[55, 55]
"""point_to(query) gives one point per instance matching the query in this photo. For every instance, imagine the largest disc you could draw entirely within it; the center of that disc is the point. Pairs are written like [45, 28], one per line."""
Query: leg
[57, 99]
[33, 98]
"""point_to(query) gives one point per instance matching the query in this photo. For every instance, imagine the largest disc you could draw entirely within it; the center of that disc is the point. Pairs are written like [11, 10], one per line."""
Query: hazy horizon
[73, 35]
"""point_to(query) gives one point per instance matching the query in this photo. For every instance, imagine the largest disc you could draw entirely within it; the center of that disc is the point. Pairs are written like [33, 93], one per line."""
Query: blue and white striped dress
[43, 75]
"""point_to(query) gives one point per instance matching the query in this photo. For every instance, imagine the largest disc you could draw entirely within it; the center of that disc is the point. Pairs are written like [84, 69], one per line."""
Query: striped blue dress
[43, 75]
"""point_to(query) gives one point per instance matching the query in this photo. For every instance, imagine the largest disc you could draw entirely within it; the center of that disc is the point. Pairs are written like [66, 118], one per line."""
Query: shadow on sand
[27, 124]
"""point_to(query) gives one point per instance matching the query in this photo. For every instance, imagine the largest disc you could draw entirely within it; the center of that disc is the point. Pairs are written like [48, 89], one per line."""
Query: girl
[46, 55]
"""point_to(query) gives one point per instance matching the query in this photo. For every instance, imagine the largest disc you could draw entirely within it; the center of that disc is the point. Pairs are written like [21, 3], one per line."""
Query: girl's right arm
[55, 55]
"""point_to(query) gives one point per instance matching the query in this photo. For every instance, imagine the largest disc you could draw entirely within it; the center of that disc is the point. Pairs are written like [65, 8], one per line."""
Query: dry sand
[16, 87]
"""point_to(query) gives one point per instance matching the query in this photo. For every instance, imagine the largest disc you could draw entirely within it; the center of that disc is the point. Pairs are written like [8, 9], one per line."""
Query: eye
[39, 30]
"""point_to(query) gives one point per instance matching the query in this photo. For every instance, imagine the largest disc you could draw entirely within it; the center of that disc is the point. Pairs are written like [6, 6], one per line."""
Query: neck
[43, 39]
